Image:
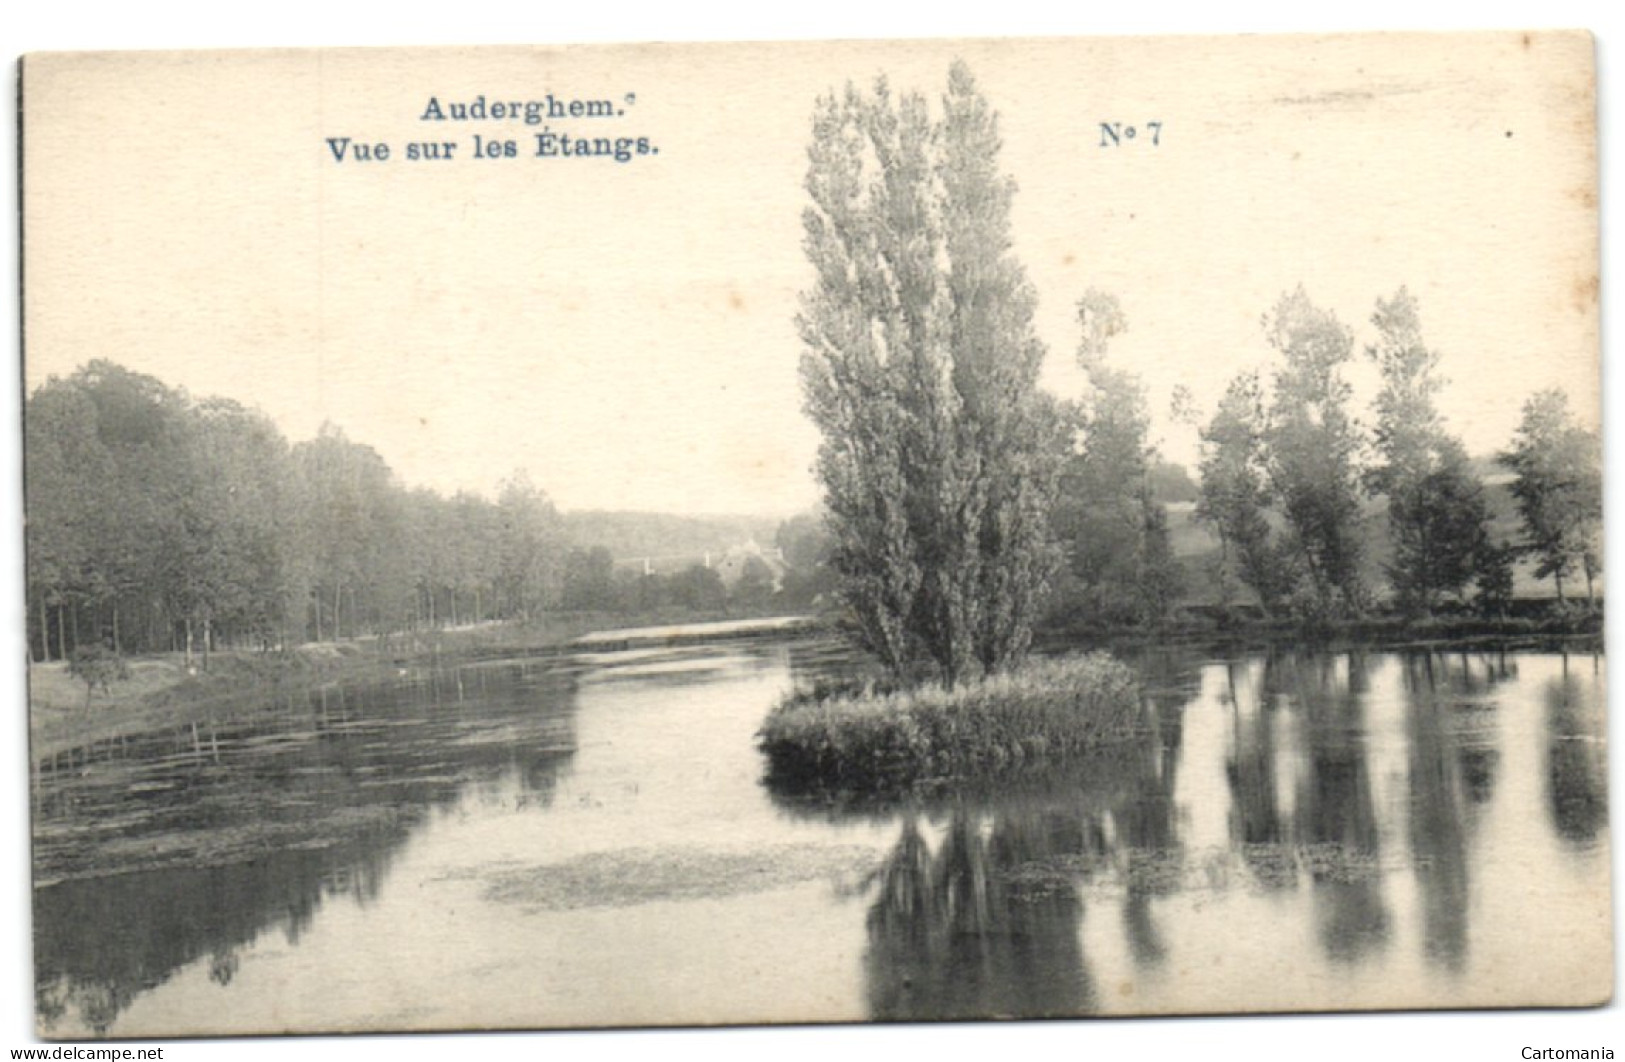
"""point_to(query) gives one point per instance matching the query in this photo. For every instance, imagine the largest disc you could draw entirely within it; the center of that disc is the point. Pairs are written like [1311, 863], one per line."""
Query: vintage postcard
[528, 538]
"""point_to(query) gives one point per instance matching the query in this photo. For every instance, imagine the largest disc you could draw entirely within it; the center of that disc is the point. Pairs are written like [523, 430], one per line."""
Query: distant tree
[805, 543]
[1313, 444]
[229, 490]
[1171, 482]
[156, 522]
[754, 588]
[476, 557]
[1438, 527]
[1558, 488]
[65, 466]
[1492, 579]
[698, 589]
[1114, 530]
[356, 513]
[530, 545]
[132, 527]
[589, 580]
[1436, 510]
[1236, 494]
[97, 666]
[939, 453]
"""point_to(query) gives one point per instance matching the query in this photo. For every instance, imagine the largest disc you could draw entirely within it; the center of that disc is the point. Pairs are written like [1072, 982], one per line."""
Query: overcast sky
[624, 332]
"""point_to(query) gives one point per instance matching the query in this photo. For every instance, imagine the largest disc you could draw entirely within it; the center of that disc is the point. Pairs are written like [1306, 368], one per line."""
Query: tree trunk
[44, 633]
[338, 600]
[118, 643]
[208, 639]
[61, 635]
[1558, 575]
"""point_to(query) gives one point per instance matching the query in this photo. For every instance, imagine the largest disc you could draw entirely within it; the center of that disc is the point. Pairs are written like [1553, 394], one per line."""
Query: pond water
[588, 839]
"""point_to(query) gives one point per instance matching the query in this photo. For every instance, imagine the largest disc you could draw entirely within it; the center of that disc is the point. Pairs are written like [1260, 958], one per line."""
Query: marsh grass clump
[1044, 714]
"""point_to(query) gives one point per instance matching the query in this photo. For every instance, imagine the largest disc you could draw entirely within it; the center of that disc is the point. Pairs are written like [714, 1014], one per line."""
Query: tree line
[160, 523]
[965, 503]
[1287, 468]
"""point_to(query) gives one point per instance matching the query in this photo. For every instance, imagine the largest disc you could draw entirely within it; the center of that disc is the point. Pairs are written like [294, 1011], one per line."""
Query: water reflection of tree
[1438, 831]
[99, 944]
[989, 922]
[1152, 856]
[101, 941]
[1336, 818]
[957, 933]
[1257, 825]
[1576, 760]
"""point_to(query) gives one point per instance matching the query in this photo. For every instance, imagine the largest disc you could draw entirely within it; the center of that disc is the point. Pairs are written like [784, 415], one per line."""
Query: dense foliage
[940, 454]
[1113, 528]
[157, 522]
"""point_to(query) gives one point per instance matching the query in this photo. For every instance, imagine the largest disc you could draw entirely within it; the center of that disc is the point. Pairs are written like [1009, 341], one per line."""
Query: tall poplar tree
[940, 454]
[1436, 510]
[1313, 446]
[1237, 496]
[1558, 488]
[1115, 532]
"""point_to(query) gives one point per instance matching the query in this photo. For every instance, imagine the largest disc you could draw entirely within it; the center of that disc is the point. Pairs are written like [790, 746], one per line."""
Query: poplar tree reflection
[988, 922]
[1437, 834]
[1336, 820]
[1257, 825]
[955, 934]
[1576, 755]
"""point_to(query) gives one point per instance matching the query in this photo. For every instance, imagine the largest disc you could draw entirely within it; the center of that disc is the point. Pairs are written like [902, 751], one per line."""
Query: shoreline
[160, 692]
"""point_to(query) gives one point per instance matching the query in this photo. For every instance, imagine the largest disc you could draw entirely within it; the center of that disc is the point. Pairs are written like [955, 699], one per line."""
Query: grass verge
[1044, 713]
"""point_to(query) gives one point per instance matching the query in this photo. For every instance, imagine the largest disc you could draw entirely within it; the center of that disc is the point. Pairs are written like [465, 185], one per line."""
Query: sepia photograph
[667, 535]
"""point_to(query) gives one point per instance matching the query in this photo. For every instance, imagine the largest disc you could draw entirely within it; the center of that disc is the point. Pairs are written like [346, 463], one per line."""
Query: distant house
[733, 565]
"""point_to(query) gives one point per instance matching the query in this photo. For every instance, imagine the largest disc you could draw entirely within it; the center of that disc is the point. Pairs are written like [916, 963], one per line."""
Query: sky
[624, 332]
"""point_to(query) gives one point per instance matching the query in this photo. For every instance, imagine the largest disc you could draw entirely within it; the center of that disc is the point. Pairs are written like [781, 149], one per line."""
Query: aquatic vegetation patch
[1047, 712]
[628, 877]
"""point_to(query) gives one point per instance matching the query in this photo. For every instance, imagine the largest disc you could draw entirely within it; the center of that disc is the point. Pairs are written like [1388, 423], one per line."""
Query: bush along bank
[1041, 714]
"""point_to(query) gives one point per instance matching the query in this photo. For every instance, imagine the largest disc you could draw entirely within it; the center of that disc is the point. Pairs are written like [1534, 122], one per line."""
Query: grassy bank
[1044, 713]
[162, 691]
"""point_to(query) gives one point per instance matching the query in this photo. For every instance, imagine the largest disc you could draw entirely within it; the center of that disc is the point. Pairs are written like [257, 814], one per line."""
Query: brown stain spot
[1585, 291]
[423, 421]
[1126, 989]
[763, 463]
[1068, 259]
[1585, 195]
[571, 306]
[1527, 42]
[735, 302]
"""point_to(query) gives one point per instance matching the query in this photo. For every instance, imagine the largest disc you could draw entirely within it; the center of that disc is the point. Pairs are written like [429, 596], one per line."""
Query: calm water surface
[540, 843]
